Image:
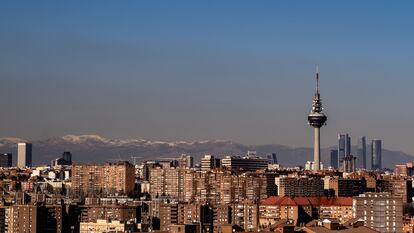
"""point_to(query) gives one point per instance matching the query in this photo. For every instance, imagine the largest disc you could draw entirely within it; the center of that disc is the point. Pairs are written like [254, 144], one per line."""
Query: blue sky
[189, 70]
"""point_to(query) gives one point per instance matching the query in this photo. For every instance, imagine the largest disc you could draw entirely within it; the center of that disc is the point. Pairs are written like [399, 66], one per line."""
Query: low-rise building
[104, 226]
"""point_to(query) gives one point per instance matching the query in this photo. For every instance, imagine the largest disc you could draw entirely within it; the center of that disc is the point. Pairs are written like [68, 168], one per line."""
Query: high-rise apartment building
[379, 211]
[110, 178]
[376, 154]
[404, 169]
[362, 153]
[186, 161]
[341, 187]
[96, 209]
[6, 160]
[344, 147]
[32, 219]
[24, 154]
[300, 186]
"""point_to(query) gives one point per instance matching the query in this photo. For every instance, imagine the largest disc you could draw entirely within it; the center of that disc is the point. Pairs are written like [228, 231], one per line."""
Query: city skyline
[146, 71]
[196, 117]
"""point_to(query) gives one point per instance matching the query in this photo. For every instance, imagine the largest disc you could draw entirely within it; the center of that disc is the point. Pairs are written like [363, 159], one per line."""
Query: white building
[24, 155]
[101, 226]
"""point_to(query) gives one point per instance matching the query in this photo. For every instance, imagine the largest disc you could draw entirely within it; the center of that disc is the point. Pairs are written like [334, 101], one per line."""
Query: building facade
[24, 154]
[380, 211]
[110, 178]
[300, 186]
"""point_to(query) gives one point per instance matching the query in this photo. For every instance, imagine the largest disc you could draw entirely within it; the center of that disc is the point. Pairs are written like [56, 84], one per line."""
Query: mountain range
[97, 149]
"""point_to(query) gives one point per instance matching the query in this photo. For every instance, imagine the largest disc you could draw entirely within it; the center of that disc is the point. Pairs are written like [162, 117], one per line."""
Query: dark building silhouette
[376, 154]
[334, 158]
[66, 159]
[272, 158]
[6, 160]
[362, 153]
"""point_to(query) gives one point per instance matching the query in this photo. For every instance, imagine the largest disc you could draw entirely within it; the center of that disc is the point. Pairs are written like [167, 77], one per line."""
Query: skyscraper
[362, 153]
[344, 147]
[349, 163]
[317, 119]
[376, 154]
[272, 158]
[6, 160]
[334, 158]
[24, 154]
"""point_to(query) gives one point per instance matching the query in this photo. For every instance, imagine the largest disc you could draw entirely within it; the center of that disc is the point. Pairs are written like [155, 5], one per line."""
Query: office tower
[334, 158]
[349, 163]
[376, 154]
[344, 147]
[209, 162]
[272, 158]
[190, 161]
[237, 163]
[6, 160]
[362, 153]
[66, 159]
[380, 211]
[317, 119]
[24, 154]
[67, 156]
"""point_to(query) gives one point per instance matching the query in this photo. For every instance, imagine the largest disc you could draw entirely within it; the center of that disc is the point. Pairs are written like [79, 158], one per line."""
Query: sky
[195, 70]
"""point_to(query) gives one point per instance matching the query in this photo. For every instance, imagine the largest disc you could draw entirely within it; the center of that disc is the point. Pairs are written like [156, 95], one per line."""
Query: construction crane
[134, 159]
[115, 159]
[167, 158]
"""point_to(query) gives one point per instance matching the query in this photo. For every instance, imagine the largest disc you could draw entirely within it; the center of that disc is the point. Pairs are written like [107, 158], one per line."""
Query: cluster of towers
[342, 156]
[344, 150]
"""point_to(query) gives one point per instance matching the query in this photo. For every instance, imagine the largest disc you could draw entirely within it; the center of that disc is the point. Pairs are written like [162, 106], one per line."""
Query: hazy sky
[189, 70]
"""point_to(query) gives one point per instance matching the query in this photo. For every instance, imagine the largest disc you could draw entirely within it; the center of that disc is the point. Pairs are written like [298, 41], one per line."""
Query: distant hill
[94, 148]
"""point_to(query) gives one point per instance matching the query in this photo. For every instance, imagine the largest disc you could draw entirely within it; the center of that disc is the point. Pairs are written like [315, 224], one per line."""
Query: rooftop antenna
[317, 78]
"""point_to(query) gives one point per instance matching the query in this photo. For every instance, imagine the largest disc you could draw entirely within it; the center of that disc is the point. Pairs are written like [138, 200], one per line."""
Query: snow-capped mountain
[95, 148]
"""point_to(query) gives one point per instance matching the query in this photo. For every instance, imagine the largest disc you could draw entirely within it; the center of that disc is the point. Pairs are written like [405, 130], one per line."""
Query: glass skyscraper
[334, 158]
[344, 147]
[376, 154]
[362, 153]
